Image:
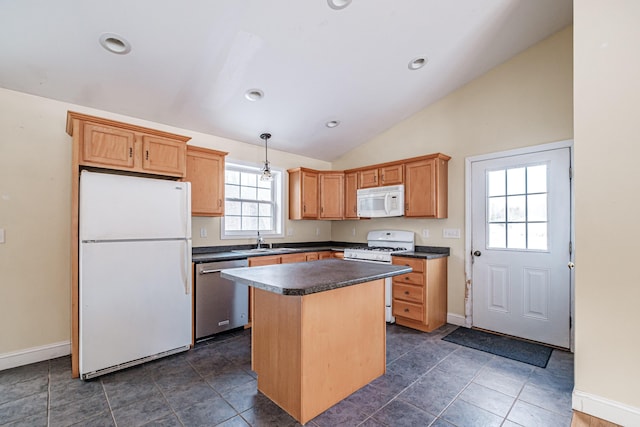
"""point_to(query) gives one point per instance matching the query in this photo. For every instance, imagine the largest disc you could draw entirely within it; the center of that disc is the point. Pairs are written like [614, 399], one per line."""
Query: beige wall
[525, 101]
[607, 91]
[35, 211]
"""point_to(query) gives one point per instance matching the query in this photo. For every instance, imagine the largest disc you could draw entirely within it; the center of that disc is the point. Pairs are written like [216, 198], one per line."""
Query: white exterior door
[521, 236]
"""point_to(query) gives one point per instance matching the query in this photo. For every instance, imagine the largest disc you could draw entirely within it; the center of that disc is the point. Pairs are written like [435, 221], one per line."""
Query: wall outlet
[353, 231]
[425, 233]
[289, 231]
[451, 233]
[1, 235]
[317, 231]
[203, 232]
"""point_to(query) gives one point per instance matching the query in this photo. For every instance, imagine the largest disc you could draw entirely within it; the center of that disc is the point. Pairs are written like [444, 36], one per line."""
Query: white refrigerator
[134, 271]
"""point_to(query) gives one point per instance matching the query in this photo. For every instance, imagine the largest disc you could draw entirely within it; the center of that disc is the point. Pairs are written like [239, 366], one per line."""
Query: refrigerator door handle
[185, 270]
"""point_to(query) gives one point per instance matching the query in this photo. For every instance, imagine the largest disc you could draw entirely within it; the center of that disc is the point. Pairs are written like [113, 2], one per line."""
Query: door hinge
[570, 322]
[570, 172]
[570, 248]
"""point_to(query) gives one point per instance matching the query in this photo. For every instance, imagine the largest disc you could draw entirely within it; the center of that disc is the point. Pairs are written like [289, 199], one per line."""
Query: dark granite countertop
[306, 278]
[427, 252]
[225, 253]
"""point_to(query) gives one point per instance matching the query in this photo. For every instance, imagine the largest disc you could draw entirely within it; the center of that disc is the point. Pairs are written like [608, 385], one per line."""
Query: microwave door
[371, 206]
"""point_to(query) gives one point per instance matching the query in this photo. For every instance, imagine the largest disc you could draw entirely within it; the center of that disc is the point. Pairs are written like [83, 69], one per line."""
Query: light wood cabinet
[381, 176]
[420, 297]
[426, 187]
[351, 195]
[331, 195]
[368, 178]
[264, 260]
[297, 257]
[109, 144]
[325, 255]
[391, 175]
[205, 172]
[303, 194]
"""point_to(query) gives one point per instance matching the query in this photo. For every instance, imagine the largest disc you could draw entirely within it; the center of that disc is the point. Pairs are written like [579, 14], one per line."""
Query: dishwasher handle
[210, 271]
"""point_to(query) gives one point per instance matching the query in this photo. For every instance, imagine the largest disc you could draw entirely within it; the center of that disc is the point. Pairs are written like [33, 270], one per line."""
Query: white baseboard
[34, 354]
[606, 409]
[455, 319]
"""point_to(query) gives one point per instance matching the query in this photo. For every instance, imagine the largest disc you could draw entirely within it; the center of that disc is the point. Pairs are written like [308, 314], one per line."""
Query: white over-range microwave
[380, 202]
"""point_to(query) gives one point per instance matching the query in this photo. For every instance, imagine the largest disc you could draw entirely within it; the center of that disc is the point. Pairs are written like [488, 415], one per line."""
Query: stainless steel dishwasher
[221, 304]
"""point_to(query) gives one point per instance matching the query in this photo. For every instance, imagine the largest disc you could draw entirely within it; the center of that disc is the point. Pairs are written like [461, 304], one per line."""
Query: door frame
[468, 259]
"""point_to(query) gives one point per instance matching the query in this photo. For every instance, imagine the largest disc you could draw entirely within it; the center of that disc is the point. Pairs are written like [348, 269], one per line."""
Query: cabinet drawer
[408, 310]
[410, 278]
[418, 265]
[408, 293]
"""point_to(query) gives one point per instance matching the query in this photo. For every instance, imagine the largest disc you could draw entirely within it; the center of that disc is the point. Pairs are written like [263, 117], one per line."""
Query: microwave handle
[387, 196]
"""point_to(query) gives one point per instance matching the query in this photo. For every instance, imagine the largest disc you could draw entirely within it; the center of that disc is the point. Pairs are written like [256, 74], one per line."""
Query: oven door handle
[210, 271]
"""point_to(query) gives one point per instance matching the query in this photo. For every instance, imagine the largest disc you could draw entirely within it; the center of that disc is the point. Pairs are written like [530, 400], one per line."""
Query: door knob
[477, 253]
[571, 266]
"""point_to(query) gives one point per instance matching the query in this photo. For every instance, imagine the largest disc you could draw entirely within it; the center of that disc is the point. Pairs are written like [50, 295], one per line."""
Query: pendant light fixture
[266, 169]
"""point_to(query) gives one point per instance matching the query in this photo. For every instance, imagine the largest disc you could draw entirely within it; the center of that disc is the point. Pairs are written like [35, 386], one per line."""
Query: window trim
[278, 211]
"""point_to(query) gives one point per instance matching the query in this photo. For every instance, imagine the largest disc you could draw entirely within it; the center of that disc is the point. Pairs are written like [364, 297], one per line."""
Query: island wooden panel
[312, 351]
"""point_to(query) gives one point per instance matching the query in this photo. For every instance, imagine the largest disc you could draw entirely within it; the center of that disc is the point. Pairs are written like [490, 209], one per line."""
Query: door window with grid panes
[517, 208]
[251, 205]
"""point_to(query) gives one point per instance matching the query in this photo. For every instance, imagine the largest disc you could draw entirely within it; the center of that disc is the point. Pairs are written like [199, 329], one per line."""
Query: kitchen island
[318, 330]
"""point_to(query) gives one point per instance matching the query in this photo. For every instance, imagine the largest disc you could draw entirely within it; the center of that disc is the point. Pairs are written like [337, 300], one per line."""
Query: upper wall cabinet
[351, 195]
[426, 187]
[205, 172]
[114, 145]
[303, 194]
[331, 195]
[381, 176]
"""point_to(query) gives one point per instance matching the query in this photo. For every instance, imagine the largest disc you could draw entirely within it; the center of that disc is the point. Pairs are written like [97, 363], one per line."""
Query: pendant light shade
[266, 169]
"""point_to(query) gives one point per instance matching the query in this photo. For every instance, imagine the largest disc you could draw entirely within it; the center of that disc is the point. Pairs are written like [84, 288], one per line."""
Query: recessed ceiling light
[418, 62]
[115, 43]
[332, 123]
[338, 4]
[254, 94]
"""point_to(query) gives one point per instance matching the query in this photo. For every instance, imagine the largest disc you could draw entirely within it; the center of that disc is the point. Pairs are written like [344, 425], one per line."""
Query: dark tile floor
[429, 382]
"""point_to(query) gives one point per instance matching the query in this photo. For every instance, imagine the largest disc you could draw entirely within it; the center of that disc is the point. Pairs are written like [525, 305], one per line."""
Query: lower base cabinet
[420, 297]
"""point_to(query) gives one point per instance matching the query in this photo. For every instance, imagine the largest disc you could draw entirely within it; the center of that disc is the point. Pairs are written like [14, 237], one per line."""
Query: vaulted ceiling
[239, 68]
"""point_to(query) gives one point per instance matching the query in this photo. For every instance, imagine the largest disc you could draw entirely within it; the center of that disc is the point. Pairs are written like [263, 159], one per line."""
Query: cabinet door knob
[406, 292]
[147, 154]
[406, 310]
[130, 152]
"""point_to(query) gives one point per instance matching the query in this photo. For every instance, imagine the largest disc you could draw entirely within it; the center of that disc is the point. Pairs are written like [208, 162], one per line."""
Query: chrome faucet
[259, 241]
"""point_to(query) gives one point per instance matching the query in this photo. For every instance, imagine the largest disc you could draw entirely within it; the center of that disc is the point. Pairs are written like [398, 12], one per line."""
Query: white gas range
[381, 244]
